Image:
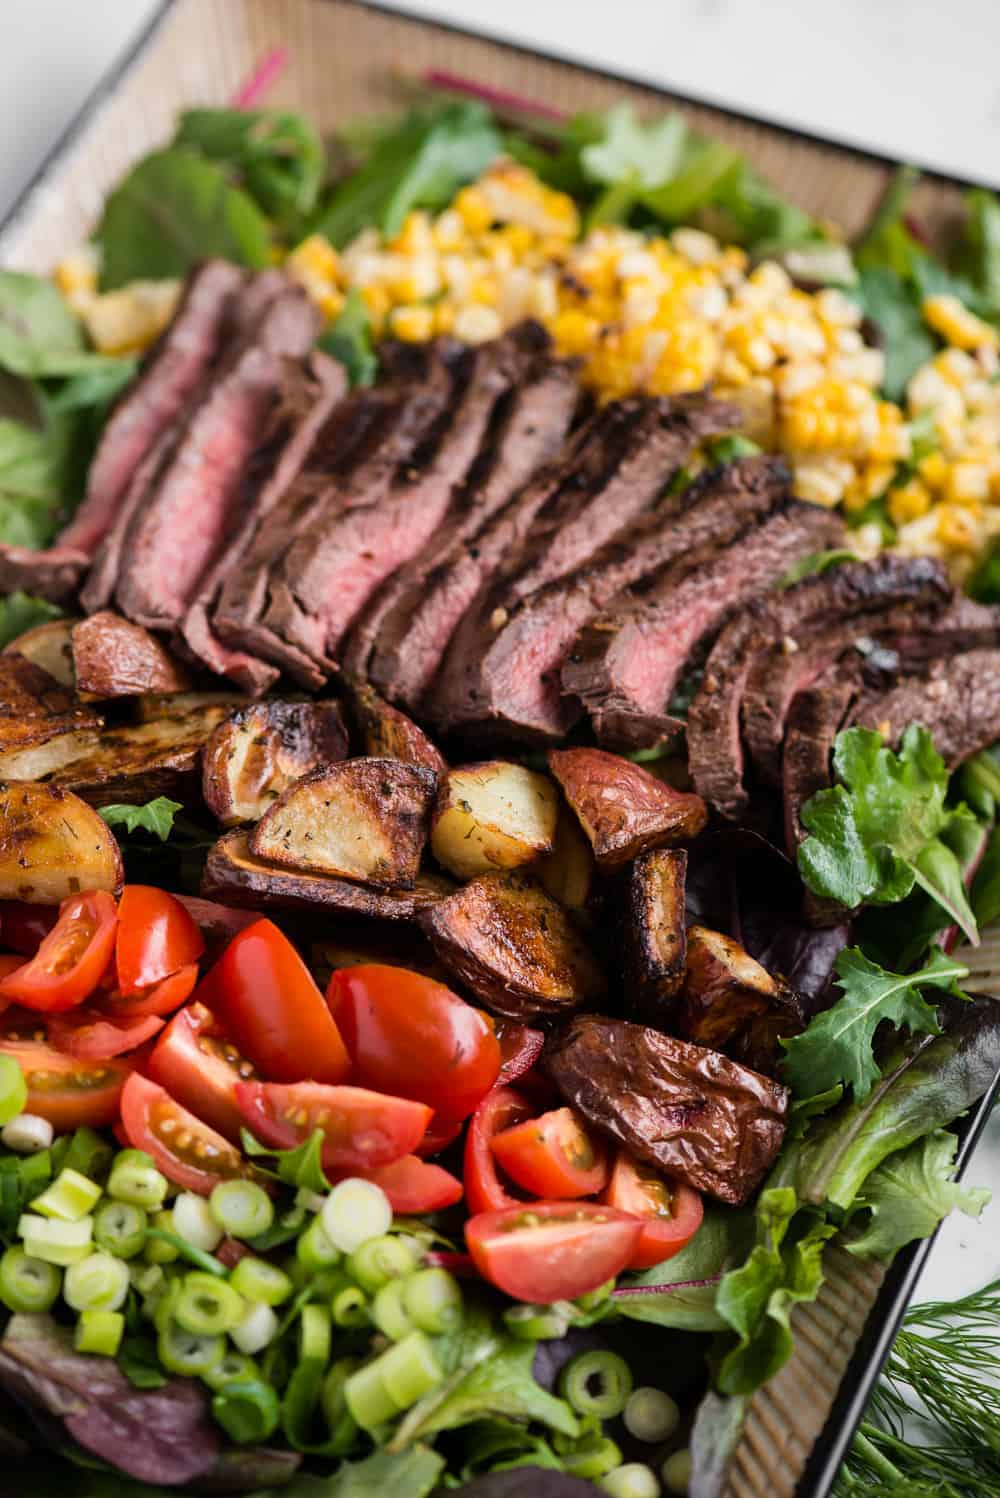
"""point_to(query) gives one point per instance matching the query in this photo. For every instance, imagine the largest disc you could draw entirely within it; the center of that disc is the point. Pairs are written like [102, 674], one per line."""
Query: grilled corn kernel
[967, 483]
[933, 469]
[909, 502]
[959, 526]
[129, 320]
[575, 332]
[475, 324]
[412, 324]
[315, 256]
[955, 323]
[474, 210]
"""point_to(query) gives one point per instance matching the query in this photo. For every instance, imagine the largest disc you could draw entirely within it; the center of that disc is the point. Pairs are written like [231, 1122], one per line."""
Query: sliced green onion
[633, 1480]
[54, 1241]
[258, 1327]
[98, 1283]
[676, 1472]
[27, 1283]
[187, 1353]
[13, 1090]
[368, 1400]
[389, 1313]
[88, 1153]
[650, 1415]
[594, 1298]
[380, 1260]
[232, 1368]
[410, 1369]
[308, 1200]
[314, 1335]
[120, 1228]
[432, 1298]
[242, 1208]
[161, 1249]
[355, 1211]
[163, 1311]
[207, 1305]
[286, 1227]
[349, 1307]
[247, 1410]
[338, 1417]
[257, 1280]
[591, 1458]
[196, 1223]
[147, 1279]
[69, 1197]
[99, 1332]
[314, 1249]
[536, 1323]
[134, 1178]
[28, 1134]
[612, 1377]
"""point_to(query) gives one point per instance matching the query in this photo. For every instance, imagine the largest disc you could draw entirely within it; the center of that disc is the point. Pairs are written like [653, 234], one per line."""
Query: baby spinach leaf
[19, 612]
[909, 1194]
[277, 157]
[36, 325]
[349, 340]
[156, 816]
[173, 209]
[37, 475]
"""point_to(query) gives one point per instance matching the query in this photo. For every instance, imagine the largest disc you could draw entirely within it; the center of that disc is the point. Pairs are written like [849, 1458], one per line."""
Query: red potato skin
[114, 658]
[622, 808]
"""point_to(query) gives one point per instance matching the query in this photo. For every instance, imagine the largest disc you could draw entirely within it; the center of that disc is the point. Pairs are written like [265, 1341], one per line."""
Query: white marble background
[906, 78]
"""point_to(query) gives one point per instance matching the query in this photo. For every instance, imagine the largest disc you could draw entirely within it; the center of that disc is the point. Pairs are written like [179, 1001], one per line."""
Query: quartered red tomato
[520, 1048]
[264, 997]
[363, 1129]
[72, 958]
[553, 1156]
[89, 1036]
[671, 1212]
[24, 927]
[414, 1185]
[412, 1037]
[161, 999]
[200, 1068]
[156, 936]
[66, 1091]
[500, 1109]
[545, 1251]
[440, 1133]
[187, 1151]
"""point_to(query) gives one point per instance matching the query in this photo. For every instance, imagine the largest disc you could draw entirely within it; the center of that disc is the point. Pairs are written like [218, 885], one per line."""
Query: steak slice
[832, 601]
[311, 393]
[520, 668]
[626, 663]
[434, 592]
[646, 442]
[957, 700]
[183, 523]
[815, 718]
[171, 373]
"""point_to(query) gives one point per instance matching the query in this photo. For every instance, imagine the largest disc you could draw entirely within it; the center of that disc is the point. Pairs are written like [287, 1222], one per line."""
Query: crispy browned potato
[732, 1004]
[496, 815]
[386, 733]
[258, 751]
[655, 937]
[112, 657]
[234, 876]
[152, 706]
[34, 707]
[53, 845]
[362, 819]
[48, 645]
[567, 873]
[623, 809]
[514, 948]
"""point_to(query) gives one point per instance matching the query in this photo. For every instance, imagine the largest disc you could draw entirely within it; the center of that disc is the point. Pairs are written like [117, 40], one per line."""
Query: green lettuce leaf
[688, 1282]
[37, 477]
[909, 1194]
[155, 816]
[501, 1385]
[349, 340]
[986, 884]
[277, 157]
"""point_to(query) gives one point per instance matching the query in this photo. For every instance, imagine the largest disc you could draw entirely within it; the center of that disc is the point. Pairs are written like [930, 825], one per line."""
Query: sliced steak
[815, 718]
[183, 522]
[520, 668]
[170, 375]
[626, 663]
[957, 700]
[963, 625]
[833, 601]
[435, 591]
[311, 393]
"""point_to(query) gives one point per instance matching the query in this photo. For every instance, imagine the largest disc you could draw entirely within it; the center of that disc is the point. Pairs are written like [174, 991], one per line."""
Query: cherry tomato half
[553, 1156]
[413, 1185]
[413, 1037]
[88, 1035]
[520, 1048]
[671, 1212]
[264, 997]
[156, 936]
[440, 1133]
[162, 999]
[66, 1091]
[71, 960]
[199, 1067]
[187, 1151]
[499, 1109]
[24, 927]
[363, 1129]
[546, 1251]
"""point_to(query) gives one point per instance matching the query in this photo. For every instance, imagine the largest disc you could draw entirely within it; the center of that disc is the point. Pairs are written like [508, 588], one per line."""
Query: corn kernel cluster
[117, 322]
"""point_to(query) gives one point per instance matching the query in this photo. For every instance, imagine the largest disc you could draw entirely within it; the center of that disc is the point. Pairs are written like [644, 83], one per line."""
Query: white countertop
[906, 78]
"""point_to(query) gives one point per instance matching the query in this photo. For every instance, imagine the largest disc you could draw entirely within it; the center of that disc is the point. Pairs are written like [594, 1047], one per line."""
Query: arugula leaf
[878, 833]
[173, 209]
[753, 214]
[19, 612]
[893, 304]
[836, 1046]
[278, 157]
[301, 1166]
[886, 241]
[349, 340]
[910, 1193]
[629, 151]
[815, 564]
[156, 816]
[699, 182]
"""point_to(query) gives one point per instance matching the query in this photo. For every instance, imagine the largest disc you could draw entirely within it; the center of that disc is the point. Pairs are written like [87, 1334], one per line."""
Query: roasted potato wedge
[152, 706]
[655, 936]
[621, 807]
[34, 707]
[386, 733]
[234, 876]
[53, 845]
[514, 948]
[496, 815]
[48, 645]
[363, 819]
[730, 1003]
[257, 752]
[567, 873]
[112, 657]
[358, 942]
